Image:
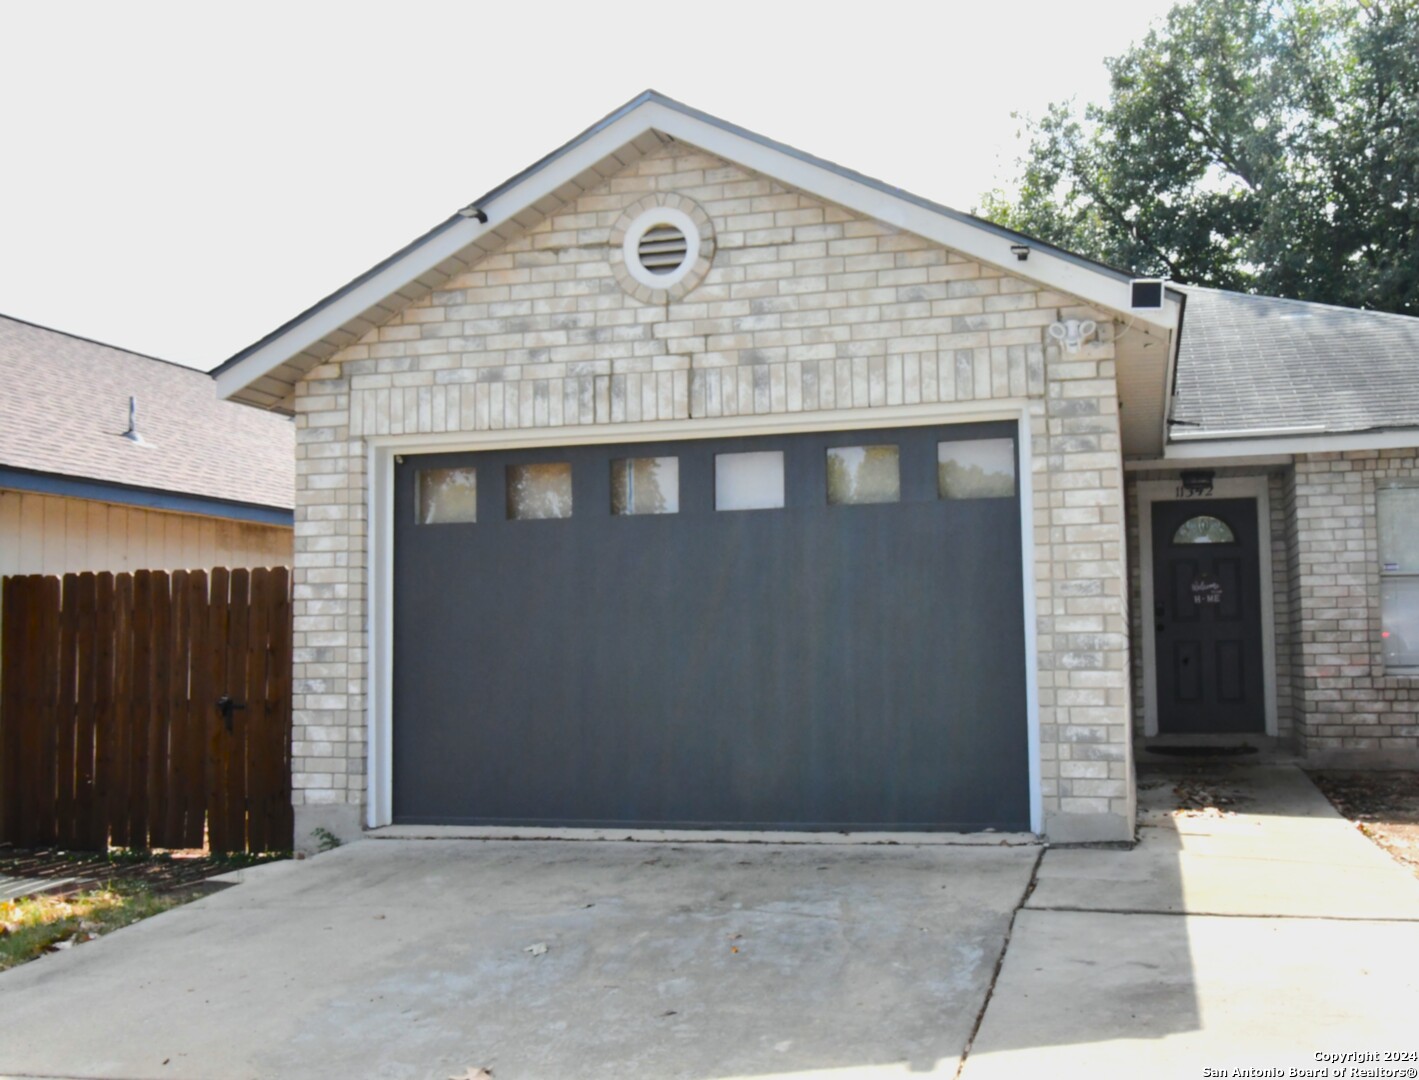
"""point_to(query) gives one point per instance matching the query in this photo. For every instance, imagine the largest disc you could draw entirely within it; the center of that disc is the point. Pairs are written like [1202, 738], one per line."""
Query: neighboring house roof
[64, 409]
[265, 373]
[1258, 365]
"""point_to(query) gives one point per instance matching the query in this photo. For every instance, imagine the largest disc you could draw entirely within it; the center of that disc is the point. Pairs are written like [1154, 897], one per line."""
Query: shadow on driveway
[1252, 936]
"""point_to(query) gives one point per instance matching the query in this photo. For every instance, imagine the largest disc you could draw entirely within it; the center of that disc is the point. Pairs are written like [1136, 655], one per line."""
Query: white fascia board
[1093, 287]
[1292, 444]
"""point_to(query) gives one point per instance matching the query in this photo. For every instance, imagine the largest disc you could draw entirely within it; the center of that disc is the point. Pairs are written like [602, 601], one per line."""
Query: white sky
[179, 179]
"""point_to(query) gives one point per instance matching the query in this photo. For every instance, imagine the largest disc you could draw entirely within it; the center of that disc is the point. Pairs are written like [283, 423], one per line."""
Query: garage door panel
[815, 666]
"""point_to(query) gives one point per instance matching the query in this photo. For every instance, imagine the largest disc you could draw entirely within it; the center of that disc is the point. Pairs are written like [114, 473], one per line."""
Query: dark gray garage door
[592, 636]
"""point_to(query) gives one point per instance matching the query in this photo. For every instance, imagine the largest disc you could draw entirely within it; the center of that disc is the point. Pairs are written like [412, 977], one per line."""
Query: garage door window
[1398, 509]
[863, 474]
[446, 496]
[976, 469]
[748, 481]
[649, 485]
[539, 491]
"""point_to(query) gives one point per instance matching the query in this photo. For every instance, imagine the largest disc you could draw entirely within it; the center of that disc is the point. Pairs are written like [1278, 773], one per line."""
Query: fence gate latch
[226, 706]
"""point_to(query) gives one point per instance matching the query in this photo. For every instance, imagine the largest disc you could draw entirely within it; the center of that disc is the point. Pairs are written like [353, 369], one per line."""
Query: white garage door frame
[382, 451]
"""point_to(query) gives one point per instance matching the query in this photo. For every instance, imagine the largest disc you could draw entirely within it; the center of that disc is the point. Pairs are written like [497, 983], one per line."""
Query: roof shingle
[64, 408]
[1262, 364]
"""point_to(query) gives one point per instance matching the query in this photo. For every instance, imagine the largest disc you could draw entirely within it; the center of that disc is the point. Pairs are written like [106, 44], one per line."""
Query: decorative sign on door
[1206, 589]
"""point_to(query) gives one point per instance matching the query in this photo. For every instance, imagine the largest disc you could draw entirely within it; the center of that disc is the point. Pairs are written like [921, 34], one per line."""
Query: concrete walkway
[1255, 939]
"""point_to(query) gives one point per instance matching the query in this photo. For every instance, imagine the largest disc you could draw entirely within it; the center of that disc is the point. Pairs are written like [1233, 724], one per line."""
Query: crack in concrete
[1000, 962]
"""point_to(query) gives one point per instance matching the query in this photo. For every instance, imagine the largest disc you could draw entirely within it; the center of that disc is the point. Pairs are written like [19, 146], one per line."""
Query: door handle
[227, 707]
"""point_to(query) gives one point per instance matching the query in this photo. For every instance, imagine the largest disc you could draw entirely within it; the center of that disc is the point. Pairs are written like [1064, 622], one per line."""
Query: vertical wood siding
[48, 534]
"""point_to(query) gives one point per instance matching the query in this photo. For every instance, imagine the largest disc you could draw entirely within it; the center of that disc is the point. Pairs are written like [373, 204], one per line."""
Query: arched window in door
[1204, 529]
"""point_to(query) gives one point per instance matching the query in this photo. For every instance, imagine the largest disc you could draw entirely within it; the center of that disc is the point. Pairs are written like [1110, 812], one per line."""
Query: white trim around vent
[652, 219]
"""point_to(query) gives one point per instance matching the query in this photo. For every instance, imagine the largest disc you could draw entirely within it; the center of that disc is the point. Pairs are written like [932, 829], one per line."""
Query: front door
[1207, 617]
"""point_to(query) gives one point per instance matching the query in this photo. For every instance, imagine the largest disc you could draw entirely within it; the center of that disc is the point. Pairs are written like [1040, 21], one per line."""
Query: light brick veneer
[808, 308]
[1349, 710]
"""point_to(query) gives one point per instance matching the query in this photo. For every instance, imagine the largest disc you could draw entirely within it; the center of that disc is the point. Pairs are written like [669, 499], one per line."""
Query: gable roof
[1259, 365]
[64, 408]
[265, 373]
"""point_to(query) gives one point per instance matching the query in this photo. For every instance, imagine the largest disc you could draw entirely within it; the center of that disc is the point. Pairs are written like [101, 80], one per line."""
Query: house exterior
[204, 483]
[1311, 414]
[686, 479]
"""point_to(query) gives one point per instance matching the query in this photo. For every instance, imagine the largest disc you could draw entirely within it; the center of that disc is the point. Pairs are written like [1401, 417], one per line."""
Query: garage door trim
[383, 450]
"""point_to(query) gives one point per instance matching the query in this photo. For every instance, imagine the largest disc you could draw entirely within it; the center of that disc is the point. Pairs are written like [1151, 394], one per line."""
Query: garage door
[807, 631]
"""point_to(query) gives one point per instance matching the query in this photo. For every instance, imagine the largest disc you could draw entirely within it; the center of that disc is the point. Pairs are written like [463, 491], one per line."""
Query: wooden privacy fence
[147, 710]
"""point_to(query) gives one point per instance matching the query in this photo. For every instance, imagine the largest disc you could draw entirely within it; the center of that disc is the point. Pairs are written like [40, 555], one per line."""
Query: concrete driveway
[410, 959]
[1258, 938]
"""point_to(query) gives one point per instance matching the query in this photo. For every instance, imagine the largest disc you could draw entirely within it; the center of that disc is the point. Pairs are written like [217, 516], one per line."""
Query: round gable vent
[666, 245]
[663, 249]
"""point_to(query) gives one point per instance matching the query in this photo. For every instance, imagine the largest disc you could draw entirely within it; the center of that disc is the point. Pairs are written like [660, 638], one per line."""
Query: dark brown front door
[1207, 617]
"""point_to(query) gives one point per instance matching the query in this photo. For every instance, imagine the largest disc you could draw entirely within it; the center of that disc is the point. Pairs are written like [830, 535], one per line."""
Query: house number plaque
[1195, 491]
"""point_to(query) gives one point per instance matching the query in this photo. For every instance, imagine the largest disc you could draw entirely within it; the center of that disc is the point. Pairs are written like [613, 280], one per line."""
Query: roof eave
[1242, 444]
[97, 489]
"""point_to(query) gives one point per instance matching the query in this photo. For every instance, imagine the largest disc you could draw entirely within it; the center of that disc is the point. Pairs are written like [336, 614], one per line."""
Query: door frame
[379, 483]
[1226, 487]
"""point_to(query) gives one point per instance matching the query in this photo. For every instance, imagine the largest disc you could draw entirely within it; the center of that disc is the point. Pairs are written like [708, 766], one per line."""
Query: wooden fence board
[141, 719]
[42, 794]
[198, 707]
[109, 727]
[258, 781]
[31, 680]
[276, 749]
[27, 693]
[119, 819]
[158, 718]
[239, 618]
[105, 723]
[218, 835]
[64, 711]
[86, 646]
[15, 595]
[175, 703]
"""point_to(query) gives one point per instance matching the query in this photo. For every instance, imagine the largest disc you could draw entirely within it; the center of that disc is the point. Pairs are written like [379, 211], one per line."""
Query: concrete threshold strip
[987, 838]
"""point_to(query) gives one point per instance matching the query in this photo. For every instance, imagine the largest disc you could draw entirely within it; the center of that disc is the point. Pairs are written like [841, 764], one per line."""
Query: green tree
[1259, 145]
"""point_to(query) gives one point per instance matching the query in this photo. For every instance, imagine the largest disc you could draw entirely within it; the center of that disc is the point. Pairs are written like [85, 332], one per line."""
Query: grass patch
[35, 925]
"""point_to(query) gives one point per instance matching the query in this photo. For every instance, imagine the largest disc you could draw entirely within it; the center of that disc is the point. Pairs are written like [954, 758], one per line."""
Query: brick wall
[806, 308]
[1349, 710]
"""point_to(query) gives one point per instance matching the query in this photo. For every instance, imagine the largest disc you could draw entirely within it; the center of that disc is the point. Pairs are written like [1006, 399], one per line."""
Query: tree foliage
[1259, 145]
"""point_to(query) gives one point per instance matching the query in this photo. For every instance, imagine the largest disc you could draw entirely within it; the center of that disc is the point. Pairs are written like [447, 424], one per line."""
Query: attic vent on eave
[663, 249]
